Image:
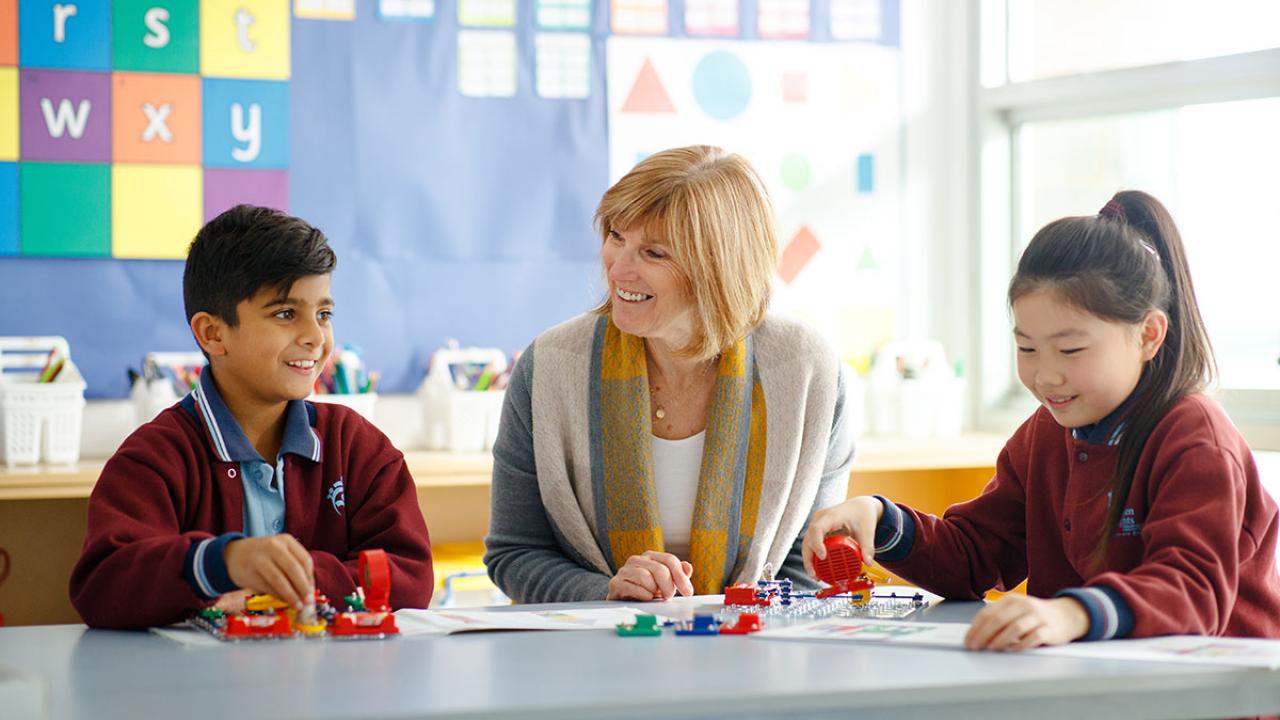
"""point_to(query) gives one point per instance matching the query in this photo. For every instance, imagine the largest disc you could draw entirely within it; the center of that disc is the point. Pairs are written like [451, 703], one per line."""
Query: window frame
[999, 110]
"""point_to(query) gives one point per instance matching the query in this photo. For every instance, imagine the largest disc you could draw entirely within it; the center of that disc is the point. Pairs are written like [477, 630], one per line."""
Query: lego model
[848, 593]
[265, 617]
[645, 626]
[842, 572]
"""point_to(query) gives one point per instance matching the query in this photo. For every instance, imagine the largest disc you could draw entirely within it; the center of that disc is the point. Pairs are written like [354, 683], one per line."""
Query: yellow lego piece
[258, 603]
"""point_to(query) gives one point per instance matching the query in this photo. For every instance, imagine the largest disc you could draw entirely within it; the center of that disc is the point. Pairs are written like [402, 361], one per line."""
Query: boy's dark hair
[245, 249]
[1118, 265]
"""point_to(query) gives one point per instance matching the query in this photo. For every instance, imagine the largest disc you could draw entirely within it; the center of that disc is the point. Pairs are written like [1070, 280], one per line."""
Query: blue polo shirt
[263, 482]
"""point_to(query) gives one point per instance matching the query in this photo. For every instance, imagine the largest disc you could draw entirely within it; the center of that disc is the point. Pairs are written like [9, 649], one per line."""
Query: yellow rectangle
[245, 39]
[8, 113]
[155, 210]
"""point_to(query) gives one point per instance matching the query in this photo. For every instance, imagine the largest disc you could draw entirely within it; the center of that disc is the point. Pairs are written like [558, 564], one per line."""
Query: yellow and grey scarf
[729, 486]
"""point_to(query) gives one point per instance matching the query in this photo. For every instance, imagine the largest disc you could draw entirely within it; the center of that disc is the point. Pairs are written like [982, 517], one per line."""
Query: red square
[795, 87]
[798, 252]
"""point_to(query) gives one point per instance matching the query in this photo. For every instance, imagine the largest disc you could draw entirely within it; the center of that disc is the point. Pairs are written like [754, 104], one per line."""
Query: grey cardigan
[541, 545]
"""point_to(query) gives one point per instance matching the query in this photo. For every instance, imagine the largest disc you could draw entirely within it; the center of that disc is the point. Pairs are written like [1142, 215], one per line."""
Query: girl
[1128, 501]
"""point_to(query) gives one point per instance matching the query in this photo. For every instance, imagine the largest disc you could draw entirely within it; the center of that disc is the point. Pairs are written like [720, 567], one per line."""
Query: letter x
[155, 122]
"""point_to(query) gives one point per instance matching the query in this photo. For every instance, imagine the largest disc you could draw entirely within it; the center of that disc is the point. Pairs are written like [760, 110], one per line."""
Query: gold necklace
[659, 411]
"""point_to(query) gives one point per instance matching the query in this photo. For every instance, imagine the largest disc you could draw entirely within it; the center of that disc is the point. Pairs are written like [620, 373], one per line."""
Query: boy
[243, 486]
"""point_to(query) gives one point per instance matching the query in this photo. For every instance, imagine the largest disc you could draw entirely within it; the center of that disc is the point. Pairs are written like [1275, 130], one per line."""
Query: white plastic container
[39, 421]
[152, 396]
[363, 403]
[912, 391]
[461, 420]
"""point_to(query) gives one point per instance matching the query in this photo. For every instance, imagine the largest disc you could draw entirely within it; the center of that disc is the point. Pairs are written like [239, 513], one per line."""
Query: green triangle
[867, 261]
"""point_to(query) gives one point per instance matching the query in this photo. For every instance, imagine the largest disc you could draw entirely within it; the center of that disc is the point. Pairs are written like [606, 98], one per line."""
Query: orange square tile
[8, 32]
[155, 118]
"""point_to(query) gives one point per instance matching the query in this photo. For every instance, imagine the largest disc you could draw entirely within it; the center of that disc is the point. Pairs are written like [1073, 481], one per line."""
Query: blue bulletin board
[452, 151]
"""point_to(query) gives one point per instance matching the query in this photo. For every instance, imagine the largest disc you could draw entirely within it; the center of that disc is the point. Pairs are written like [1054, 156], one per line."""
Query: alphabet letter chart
[125, 125]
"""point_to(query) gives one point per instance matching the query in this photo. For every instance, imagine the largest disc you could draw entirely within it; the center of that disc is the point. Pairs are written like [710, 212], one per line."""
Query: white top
[677, 464]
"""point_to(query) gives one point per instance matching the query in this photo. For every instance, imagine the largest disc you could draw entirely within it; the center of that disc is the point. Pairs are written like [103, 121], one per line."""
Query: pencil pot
[460, 405]
[363, 403]
[41, 401]
[166, 377]
[913, 392]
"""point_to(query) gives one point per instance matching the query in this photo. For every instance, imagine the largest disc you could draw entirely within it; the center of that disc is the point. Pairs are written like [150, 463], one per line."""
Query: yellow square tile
[245, 38]
[155, 210]
[8, 113]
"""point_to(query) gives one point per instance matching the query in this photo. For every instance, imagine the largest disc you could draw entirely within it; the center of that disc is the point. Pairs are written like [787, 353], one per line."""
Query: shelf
[432, 469]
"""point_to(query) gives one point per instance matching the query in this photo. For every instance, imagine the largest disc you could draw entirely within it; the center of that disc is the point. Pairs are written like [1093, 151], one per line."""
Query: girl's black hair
[245, 249]
[1119, 265]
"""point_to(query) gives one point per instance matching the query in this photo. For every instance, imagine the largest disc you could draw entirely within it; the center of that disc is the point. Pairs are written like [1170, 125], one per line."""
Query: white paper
[448, 622]
[486, 63]
[643, 17]
[187, 635]
[1196, 649]
[882, 632]
[563, 65]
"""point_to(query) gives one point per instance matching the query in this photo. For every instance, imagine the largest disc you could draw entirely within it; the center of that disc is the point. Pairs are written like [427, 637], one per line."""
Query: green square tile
[66, 209]
[155, 35]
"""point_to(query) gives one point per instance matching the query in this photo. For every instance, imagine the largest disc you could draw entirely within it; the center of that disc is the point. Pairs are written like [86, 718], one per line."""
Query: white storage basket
[39, 420]
[363, 403]
[156, 389]
[461, 420]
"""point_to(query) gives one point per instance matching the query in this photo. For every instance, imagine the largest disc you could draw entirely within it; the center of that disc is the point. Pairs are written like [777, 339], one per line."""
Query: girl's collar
[1108, 430]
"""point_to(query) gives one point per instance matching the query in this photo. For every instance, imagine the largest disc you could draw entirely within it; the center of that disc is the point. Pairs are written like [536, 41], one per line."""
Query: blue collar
[229, 441]
[1106, 431]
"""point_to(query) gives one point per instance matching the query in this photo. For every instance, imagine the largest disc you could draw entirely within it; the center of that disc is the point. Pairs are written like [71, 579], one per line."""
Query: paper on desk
[187, 635]
[448, 622]
[1198, 649]
[883, 632]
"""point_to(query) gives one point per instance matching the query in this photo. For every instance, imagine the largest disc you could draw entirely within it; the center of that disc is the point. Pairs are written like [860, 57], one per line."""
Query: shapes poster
[819, 122]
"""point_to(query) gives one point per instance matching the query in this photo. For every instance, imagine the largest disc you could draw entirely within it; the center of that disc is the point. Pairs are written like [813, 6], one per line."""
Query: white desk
[595, 674]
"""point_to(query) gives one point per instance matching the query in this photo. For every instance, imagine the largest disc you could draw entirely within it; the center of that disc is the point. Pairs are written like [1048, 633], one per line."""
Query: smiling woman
[676, 438]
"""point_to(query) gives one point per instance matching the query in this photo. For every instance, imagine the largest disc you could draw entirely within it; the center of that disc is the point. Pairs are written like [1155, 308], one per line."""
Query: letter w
[66, 119]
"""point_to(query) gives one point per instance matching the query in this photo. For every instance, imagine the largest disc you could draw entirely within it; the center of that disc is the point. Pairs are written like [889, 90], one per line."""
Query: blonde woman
[677, 438]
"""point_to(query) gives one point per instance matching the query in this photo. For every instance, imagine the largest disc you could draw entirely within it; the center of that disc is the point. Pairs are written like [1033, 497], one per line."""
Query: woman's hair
[712, 210]
[1119, 265]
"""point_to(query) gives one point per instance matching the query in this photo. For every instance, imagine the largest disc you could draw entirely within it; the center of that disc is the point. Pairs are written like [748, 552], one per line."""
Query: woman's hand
[1018, 622]
[856, 517]
[651, 576]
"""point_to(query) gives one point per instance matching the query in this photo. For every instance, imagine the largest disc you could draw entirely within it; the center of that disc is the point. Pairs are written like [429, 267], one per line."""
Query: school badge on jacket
[337, 496]
[1129, 525]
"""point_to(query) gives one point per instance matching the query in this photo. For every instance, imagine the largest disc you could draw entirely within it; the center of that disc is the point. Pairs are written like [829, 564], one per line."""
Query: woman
[675, 439]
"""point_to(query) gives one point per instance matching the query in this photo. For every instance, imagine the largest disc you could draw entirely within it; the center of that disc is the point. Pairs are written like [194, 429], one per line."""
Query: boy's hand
[856, 517]
[232, 602]
[1018, 622]
[651, 576]
[276, 564]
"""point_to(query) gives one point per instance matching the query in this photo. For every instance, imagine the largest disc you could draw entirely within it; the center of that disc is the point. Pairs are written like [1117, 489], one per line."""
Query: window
[1178, 98]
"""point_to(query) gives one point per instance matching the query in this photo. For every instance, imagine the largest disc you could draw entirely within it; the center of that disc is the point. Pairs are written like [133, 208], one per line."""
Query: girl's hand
[652, 575]
[1018, 622]
[856, 517]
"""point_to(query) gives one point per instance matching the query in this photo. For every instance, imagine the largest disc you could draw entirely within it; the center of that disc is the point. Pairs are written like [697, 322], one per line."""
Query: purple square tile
[66, 116]
[224, 189]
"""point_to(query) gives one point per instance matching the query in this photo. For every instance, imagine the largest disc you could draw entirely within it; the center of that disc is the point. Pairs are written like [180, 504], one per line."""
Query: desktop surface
[596, 674]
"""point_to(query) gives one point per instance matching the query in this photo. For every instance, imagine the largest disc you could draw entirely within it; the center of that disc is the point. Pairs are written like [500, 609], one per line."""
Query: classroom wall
[452, 216]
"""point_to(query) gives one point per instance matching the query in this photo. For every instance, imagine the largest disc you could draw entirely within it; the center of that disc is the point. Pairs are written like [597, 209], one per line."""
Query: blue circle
[722, 85]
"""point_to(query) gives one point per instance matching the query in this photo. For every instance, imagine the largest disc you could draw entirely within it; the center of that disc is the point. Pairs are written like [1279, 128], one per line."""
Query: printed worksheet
[884, 632]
